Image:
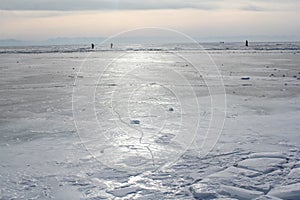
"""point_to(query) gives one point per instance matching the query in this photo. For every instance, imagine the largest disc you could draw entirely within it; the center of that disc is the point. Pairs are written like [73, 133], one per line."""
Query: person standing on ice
[93, 46]
[111, 45]
[247, 43]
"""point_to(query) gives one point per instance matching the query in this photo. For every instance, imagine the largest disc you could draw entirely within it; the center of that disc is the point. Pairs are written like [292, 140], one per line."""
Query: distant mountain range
[146, 39]
[52, 41]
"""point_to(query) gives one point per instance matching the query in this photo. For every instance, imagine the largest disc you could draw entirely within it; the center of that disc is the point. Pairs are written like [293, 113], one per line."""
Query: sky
[44, 19]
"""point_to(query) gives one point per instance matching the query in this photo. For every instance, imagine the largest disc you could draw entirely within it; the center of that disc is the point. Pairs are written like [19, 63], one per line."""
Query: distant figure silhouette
[247, 43]
[93, 46]
[111, 45]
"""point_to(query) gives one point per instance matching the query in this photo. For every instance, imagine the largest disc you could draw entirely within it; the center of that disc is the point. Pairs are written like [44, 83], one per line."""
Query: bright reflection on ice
[142, 110]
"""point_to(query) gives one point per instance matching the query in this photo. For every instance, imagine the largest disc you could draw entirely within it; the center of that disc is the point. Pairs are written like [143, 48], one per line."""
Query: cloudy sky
[43, 19]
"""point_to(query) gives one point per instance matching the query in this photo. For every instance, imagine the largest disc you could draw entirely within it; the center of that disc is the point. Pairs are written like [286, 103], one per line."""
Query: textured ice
[43, 155]
[240, 193]
[268, 155]
[234, 171]
[262, 164]
[296, 165]
[294, 174]
[202, 191]
[288, 192]
[267, 197]
[123, 192]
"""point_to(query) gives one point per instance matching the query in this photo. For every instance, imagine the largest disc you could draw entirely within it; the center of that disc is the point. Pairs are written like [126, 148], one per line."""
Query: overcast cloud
[70, 5]
[42, 19]
[103, 4]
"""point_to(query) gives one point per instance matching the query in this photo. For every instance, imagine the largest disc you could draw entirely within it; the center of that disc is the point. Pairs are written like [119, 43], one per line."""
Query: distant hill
[70, 41]
[13, 42]
[52, 41]
[146, 39]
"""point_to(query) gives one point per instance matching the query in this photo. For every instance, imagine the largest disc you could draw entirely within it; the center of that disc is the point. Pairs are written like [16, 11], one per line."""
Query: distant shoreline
[293, 47]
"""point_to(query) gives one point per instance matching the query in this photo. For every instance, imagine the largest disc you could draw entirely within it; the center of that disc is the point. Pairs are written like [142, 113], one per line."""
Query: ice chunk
[122, 192]
[294, 174]
[268, 155]
[171, 109]
[286, 192]
[240, 193]
[296, 165]
[245, 78]
[267, 197]
[264, 165]
[233, 171]
[202, 191]
[165, 139]
[135, 121]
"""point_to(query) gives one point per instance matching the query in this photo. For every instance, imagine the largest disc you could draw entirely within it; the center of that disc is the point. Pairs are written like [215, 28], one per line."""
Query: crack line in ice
[140, 139]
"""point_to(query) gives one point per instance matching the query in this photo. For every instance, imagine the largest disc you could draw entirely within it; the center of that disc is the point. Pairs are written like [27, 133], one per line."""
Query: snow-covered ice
[133, 123]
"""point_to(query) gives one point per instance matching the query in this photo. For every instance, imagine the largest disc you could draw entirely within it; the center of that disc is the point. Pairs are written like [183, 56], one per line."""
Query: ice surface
[68, 135]
[287, 192]
[240, 193]
[295, 173]
[267, 197]
[202, 191]
[262, 164]
[123, 192]
[296, 165]
[234, 171]
[268, 155]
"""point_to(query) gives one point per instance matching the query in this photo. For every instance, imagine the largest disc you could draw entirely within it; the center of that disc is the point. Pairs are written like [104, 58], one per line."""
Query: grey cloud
[252, 8]
[265, 5]
[103, 4]
[77, 5]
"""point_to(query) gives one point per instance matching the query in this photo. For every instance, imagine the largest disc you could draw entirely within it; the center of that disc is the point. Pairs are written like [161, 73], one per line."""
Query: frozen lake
[150, 122]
